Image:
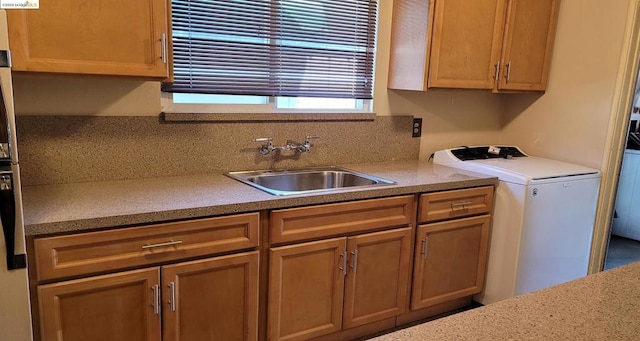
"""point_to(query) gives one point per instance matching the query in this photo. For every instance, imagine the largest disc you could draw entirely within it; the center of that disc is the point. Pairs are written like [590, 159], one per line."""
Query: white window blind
[298, 48]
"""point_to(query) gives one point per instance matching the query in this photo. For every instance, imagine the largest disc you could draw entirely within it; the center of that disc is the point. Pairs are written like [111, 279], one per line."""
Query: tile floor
[621, 251]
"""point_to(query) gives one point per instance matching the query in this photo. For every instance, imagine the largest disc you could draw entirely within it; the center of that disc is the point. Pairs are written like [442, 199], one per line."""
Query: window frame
[170, 107]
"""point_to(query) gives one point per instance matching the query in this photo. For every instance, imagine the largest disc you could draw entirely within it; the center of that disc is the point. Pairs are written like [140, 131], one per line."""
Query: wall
[450, 117]
[571, 120]
[88, 148]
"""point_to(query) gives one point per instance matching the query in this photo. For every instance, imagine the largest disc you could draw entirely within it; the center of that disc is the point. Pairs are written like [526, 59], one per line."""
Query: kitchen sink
[310, 180]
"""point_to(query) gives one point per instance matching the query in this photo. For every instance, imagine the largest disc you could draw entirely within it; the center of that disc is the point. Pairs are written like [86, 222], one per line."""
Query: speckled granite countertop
[602, 306]
[94, 205]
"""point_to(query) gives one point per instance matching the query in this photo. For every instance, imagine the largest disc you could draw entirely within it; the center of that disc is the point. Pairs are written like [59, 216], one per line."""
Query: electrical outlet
[416, 129]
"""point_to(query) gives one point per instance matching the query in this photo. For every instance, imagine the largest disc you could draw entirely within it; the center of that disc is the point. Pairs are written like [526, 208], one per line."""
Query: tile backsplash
[68, 149]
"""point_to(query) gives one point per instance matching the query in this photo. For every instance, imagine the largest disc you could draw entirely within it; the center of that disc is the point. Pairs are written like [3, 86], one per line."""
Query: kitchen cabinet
[451, 254]
[213, 297]
[111, 307]
[311, 282]
[115, 37]
[324, 286]
[306, 289]
[332, 271]
[503, 45]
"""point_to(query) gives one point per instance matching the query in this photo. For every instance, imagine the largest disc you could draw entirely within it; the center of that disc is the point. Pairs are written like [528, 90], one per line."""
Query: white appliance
[15, 312]
[543, 218]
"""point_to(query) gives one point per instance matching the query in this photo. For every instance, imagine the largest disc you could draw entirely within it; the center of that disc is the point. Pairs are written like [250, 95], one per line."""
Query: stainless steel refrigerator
[15, 312]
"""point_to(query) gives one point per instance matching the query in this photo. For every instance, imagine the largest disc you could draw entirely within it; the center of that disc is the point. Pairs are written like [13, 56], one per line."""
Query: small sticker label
[494, 150]
[19, 4]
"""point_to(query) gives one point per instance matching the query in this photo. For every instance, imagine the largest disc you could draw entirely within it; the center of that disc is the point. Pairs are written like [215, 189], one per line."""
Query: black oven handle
[8, 217]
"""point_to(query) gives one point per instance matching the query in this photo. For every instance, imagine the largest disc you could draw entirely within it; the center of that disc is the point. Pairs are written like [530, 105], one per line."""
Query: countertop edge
[262, 202]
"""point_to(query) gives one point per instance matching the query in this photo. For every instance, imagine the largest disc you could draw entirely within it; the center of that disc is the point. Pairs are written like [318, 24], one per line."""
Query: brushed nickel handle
[497, 66]
[344, 263]
[460, 205]
[425, 245]
[172, 296]
[169, 243]
[508, 66]
[156, 299]
[163, 52]
[354, 263]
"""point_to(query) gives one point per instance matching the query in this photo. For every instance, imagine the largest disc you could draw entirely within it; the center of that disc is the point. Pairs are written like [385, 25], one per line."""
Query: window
[279, 54]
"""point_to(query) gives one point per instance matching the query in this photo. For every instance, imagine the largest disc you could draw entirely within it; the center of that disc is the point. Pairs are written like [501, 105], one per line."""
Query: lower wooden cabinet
[310, 283]
[210, 299]
[121, 306]
[450, 260]
[354, 281]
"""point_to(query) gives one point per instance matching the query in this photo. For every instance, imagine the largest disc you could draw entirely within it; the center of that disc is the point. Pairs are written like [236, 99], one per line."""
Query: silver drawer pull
[156, 299]
[425, 245]
[170, 243]
[343, 268]
[172, 296]
[460, 205]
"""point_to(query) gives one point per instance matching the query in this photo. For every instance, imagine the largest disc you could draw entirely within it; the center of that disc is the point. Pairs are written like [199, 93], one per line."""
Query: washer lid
[529, 169]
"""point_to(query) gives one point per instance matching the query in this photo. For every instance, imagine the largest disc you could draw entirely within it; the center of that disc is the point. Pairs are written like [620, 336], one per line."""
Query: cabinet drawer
[455, 204]
[333, 219]
[96, 252]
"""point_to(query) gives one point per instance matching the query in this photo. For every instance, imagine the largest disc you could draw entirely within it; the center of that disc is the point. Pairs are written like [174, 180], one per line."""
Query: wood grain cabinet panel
[96, 252]
[211, 299]
[110, 307]
[503, 45]
[450, 260]
[311, 222]
[377, 277]
[306, 288]
[529, 33]
[309, 281]
[466, 43]
[102, 37]
[455, 204]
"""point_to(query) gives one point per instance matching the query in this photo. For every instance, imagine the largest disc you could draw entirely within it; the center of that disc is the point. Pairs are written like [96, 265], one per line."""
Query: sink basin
[309, 180]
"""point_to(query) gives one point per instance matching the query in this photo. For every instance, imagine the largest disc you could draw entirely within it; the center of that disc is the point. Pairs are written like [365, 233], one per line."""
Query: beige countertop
[95, 205]
[602, 306]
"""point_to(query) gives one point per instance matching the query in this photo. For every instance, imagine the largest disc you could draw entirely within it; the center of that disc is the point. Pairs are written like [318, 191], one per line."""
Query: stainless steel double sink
[310, 180]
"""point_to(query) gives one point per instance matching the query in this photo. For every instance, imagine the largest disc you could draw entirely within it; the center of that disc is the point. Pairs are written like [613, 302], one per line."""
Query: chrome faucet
[290, 145]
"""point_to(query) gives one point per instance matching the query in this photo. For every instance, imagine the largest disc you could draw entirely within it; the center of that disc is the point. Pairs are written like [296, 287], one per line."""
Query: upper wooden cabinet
[529, 33]
[503, 45]
[465, 43]
[103, 37]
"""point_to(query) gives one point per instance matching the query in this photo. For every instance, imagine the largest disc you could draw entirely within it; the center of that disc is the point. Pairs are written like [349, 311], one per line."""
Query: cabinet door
[108, 37]
[211, 299]
[306, 286]
[450, 260]
[466, 43]
[528, 41]
[121, 306]
[377, 280]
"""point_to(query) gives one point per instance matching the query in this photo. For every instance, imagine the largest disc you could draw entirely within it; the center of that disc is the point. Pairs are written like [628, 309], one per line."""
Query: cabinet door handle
[344, 263]
[460, 205]
[508, 75]
[497, 66]
[425, 244]
[172, 296]
[354, 263]
[156, 299]
[169, 243]
[163, 52]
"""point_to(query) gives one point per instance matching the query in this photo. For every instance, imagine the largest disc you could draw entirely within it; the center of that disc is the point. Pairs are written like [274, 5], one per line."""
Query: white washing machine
[543, 218]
